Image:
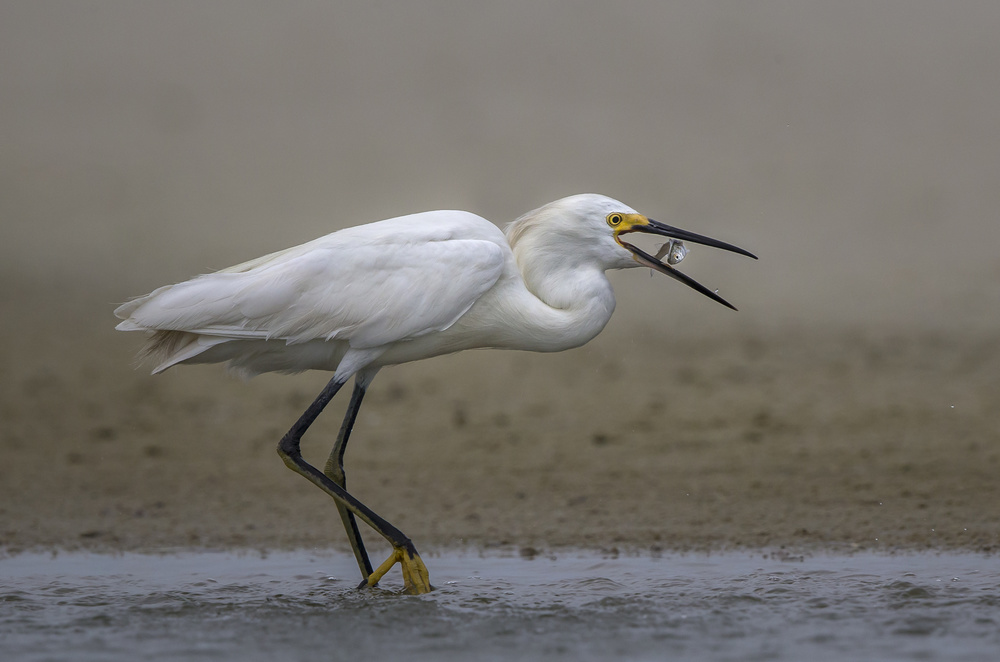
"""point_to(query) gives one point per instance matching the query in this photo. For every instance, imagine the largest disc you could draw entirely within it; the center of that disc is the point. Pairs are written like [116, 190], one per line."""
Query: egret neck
[560, 300]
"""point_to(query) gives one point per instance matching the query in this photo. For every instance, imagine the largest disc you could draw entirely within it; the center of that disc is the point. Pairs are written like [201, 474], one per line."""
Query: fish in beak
[676, 251]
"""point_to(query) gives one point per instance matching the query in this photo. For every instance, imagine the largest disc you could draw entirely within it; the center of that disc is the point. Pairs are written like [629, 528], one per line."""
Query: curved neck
[560, 306]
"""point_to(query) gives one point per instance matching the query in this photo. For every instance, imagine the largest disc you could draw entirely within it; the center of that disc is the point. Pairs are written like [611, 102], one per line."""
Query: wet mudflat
[574, 605]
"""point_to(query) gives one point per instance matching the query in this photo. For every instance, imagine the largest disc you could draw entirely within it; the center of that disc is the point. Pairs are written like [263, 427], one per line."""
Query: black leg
[414, 572]
[335, 471]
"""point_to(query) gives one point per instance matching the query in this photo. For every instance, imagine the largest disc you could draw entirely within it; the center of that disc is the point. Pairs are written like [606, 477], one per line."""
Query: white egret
[400, 290]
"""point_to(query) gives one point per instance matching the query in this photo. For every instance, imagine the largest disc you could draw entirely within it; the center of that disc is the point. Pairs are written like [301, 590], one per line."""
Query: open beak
[647, 260]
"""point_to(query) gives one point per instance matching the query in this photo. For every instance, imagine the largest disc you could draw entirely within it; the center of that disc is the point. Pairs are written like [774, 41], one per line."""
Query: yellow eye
[614, 219]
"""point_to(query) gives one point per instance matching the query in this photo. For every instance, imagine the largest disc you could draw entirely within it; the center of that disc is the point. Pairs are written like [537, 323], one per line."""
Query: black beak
[647, 260]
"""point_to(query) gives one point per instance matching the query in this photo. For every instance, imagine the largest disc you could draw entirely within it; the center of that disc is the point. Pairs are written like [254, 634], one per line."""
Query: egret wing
[368, 293]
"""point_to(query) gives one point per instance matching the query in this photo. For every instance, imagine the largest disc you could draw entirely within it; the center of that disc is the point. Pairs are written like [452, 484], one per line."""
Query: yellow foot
[416, 579]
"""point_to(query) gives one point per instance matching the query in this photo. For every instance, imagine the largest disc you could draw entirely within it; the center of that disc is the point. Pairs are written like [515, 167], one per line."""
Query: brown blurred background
[854, 146]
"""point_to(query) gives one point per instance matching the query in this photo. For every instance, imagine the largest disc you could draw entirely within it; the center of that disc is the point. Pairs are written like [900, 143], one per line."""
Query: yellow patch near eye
[626, 222]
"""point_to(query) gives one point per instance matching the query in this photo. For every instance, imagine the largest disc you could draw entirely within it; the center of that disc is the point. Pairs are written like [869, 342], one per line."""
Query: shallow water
[733, 606]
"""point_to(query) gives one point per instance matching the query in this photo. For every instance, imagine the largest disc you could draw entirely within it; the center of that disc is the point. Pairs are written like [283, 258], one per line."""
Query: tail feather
[168, 348]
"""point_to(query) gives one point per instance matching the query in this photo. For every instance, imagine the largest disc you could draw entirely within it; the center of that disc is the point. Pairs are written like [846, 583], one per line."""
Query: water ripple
[298, 605]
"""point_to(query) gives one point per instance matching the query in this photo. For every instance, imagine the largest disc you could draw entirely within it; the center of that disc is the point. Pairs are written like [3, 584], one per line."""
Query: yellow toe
[416, 579]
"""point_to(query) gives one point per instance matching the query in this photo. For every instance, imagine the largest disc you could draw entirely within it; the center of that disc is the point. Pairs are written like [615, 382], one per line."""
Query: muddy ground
[796, 440]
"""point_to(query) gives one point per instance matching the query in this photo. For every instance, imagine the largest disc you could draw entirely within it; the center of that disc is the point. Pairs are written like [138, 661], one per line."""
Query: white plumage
[381, 286]
[364, 287]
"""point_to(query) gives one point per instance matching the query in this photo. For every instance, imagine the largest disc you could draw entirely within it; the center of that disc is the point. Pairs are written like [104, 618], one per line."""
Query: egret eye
[614, 219]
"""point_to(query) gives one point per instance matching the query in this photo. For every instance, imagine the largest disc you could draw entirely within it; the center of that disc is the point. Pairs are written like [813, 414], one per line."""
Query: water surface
[303, 605]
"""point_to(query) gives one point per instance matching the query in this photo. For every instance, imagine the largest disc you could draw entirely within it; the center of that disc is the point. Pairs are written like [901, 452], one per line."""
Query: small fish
[674, 250]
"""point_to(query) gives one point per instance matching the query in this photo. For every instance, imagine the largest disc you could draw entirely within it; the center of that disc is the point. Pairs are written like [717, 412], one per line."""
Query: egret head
[595, 227]
[624, 223]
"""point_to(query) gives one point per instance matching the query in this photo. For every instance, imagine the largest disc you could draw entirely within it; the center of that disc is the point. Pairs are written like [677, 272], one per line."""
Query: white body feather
[395, 291]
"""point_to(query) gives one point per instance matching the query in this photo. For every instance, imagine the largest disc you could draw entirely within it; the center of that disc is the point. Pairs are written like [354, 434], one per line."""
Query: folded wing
[369, 286]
